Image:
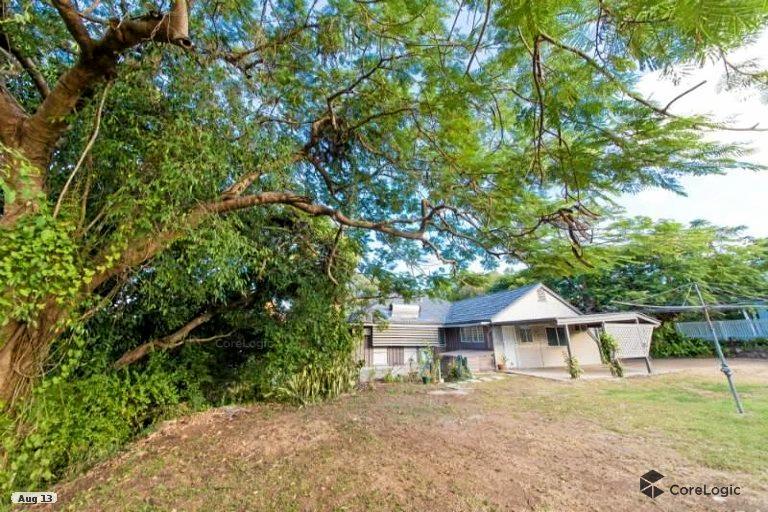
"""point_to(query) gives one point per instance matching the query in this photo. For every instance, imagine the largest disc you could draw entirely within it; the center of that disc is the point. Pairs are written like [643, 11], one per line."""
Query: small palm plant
[574, 369]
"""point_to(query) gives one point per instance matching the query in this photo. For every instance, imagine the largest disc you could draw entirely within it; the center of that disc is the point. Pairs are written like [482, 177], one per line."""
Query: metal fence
[725, 329]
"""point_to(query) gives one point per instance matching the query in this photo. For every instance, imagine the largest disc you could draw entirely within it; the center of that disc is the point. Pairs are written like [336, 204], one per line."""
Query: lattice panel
[634, 340]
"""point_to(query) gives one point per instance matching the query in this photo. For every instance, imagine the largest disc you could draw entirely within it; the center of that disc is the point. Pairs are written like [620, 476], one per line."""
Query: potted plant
[502, 363]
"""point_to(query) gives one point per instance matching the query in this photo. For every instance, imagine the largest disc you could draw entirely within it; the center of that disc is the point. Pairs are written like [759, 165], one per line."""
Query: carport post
[648, 364]
[647, 356]
[723, 364]
[567, 342]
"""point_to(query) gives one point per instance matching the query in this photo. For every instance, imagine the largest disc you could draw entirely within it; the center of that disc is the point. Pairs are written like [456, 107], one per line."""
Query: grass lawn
[518, 443]
[692, 413]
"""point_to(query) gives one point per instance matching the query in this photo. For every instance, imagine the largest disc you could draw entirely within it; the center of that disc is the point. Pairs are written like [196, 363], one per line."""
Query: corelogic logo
[648, 487]
[647, 481]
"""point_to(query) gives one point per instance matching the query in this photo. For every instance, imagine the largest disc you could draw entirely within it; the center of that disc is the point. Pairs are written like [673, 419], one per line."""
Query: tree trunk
[23, 351]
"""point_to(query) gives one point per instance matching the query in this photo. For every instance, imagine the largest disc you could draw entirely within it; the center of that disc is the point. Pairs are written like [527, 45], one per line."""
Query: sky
[737, 198]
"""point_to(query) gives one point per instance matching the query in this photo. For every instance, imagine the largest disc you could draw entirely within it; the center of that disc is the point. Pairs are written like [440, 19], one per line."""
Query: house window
[525, 335]
[472, 335]
[395, 356]
[556, 337]
[542, 295]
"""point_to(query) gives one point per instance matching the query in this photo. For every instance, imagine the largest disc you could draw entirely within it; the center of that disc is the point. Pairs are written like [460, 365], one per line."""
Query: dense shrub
[72, 422]
[668, 342]
[458, 369]
[739, 348]
[275, 330]
[316, 383]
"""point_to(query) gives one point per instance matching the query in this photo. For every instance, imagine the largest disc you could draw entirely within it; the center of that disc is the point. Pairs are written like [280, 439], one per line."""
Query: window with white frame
[472, 334]
[525, 335]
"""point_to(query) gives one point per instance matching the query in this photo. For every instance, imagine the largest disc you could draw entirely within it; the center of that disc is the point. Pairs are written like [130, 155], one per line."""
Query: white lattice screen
[634, 340]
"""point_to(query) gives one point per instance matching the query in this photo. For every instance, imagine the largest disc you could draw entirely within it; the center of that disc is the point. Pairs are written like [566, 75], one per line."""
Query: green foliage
[639, 260]
[315, 383]
[292, 342]
[391, 378]
[574, 369]
[738, 348]
[38, 263]
[608, 346]
[458, 369]
[72, 422]
[668, 342]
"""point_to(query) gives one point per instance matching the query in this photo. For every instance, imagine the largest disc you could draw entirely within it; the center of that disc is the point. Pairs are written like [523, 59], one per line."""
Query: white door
[508, 344]
[528, 348]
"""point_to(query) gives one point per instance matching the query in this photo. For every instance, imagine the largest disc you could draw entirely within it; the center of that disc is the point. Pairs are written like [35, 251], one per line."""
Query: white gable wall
[530, 307]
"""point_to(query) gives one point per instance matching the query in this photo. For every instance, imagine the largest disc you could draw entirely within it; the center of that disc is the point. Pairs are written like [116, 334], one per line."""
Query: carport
[578, 336]
[632, 331]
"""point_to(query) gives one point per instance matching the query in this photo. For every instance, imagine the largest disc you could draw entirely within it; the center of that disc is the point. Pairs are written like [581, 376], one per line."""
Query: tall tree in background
[638, 260]
[459, 127]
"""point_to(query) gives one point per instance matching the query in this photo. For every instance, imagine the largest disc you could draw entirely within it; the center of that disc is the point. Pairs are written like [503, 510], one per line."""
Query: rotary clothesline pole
[723, 363]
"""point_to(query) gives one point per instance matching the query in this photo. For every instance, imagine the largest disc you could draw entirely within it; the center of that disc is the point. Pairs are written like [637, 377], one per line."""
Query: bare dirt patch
[400, 447]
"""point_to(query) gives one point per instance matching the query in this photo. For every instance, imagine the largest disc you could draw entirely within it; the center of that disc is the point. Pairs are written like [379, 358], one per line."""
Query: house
[528, 327]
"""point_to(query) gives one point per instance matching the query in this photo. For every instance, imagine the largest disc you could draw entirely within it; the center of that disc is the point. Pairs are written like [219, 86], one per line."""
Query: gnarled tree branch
[74, 23]
[167, 342]
[25, 62]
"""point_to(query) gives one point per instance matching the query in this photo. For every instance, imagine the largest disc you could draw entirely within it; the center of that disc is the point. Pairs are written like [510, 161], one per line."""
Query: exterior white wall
[381, 368]
[411, 358]
[584, 348]
[379, 357]
[530, 307]
[539, 354]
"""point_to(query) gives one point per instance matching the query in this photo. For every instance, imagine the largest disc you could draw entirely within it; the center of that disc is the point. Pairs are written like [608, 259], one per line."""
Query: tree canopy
[416, 127]
[637, 260]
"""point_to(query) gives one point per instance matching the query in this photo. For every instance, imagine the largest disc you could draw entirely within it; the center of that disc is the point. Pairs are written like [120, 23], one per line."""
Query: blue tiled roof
[483, 308]
[476, 309]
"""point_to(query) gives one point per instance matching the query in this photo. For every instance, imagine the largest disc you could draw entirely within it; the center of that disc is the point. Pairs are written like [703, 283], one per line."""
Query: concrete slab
[637, 368]
[591, 372]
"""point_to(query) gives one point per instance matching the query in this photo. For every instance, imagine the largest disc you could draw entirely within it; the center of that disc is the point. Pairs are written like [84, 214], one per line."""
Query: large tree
[456, 126]
[637, 260]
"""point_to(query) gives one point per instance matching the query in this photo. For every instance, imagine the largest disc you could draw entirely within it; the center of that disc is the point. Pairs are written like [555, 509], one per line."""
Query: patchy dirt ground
[496, 445]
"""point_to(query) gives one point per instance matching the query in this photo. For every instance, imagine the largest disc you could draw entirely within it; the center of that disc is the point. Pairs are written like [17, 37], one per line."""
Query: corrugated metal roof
[483, 308]
[628, 316]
